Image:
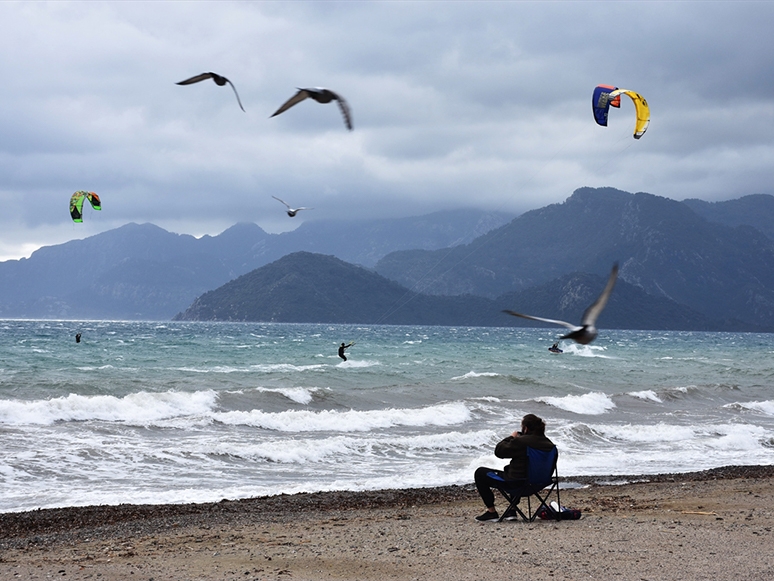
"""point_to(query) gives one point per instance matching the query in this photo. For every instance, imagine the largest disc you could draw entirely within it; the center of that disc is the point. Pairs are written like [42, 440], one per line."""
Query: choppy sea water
[143, 412]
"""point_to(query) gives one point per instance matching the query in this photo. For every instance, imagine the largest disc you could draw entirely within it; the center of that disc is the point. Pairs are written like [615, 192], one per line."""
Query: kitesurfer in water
[555, 348]
[77, 337]
[341, 350]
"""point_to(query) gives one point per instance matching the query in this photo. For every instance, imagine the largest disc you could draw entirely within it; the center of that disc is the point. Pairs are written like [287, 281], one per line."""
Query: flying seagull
[586, 332]
[321, 96]
[291, 211]
[220, 81]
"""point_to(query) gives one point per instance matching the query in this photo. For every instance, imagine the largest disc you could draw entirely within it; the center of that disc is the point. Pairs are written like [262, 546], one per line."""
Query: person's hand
[516, 434]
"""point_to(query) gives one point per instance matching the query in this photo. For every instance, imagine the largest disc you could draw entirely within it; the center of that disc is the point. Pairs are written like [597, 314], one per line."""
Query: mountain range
[683, 265]
[723, 270]
[140, 271]
[303, 287]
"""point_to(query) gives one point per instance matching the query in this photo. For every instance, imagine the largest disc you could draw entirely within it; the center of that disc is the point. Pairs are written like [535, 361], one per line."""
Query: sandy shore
[706, 525]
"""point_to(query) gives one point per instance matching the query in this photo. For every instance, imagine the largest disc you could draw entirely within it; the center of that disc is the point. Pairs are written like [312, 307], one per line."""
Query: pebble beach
[714, 524]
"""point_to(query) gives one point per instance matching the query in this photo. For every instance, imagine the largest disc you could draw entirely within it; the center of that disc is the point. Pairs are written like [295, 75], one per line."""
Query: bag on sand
[564, 512]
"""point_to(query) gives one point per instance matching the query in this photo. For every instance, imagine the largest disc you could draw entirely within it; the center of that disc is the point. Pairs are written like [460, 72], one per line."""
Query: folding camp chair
[542, 481]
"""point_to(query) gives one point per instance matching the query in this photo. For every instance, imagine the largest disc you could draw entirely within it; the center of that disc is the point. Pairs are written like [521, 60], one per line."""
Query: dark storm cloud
[454, 104]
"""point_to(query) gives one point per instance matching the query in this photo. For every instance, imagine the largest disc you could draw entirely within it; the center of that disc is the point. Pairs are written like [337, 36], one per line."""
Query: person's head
[342, 344]
[531, 424]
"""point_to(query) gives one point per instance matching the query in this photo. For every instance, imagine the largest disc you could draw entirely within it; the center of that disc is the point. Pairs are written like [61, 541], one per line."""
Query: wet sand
[715, 525]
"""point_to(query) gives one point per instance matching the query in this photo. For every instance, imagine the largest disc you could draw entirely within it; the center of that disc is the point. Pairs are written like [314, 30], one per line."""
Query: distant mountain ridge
[756, 210]
[663, 247]
[629, 307]
[312, 288]
[365, 242]
[140, 271]
[709, 275]
[303, 287]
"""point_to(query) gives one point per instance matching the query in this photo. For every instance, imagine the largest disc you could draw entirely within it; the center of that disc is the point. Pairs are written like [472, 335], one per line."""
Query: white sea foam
[223, 369]
[594, 403]
[90, 368]
[300, 395]
[765, 407]
[647, 394]
[471, 374]
[347, 421]
[585, 350]
[137, 408]
[677, 392]
[445, 442]
[294, 451]
[736, 438]
[354, 363]
[215, 369]
[261, 368]
[638, 433]
[355, 448]
[663, 448]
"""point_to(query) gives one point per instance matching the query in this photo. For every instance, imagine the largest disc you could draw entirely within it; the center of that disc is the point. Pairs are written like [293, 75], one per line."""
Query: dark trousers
[485, 482]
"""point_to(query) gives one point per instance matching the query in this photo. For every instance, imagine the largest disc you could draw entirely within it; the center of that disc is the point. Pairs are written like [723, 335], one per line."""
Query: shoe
[511, 514]
[488, 516]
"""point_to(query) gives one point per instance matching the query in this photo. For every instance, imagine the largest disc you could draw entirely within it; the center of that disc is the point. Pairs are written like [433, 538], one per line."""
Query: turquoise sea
[144, 412]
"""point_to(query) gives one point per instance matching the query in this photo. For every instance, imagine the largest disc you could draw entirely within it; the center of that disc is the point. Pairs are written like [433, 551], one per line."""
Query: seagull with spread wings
[219, 80]
[587, 331]
[291, 211]
[321, 96]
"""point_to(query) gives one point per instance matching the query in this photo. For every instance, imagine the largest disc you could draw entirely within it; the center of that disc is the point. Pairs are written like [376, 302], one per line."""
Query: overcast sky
[455, 105]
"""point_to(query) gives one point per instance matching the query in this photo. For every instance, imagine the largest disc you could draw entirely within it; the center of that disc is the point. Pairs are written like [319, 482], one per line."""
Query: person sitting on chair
[532, 435]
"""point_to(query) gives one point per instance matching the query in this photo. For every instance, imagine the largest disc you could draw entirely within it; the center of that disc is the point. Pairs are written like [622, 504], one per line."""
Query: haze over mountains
[140, 271]
[663, 246]
[315, 288]
[684, 265]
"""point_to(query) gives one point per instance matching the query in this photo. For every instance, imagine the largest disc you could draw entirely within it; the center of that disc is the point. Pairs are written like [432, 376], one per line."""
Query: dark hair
[534, 424]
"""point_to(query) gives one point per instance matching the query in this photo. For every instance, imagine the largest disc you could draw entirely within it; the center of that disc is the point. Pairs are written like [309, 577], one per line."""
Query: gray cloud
[455, 105]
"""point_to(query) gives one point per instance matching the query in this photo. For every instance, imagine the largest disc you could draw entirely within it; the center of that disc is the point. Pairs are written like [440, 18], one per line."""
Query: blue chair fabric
[542, 482]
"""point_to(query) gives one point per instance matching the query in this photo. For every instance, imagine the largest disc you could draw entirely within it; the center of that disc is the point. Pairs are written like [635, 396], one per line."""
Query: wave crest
[347, 421]
[594, 403]
[136, 408]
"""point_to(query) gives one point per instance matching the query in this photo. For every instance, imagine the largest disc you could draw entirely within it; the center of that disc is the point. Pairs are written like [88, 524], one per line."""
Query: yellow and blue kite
[606, 96]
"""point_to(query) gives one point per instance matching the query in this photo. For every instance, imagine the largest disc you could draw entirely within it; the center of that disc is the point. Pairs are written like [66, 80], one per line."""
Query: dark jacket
[516, 449]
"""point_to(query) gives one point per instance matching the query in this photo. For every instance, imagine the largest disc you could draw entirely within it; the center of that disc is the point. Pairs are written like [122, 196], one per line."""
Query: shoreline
[710, 524]
[53, 520]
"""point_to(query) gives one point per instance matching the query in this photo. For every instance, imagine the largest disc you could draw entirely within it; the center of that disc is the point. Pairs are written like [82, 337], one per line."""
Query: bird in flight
[220, 81]
[291, 211]
[321, 96]
[587, 331]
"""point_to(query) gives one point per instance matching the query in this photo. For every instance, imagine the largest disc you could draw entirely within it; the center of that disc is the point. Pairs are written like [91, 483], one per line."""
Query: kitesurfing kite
[76, 204]
[321, 96]
[601, 103]
[587, 331]
[291, 211]
[220, 81]
[606, 96]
